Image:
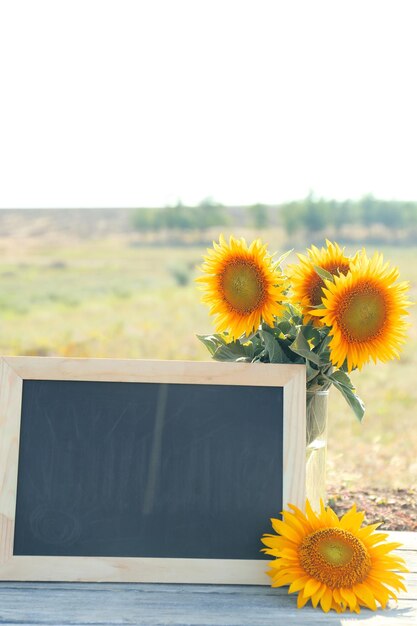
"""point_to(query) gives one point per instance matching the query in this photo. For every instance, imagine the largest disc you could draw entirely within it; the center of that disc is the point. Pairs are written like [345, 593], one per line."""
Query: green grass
[108, 299]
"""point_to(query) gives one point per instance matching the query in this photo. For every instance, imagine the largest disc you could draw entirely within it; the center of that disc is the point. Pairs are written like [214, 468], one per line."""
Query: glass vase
[316, 421]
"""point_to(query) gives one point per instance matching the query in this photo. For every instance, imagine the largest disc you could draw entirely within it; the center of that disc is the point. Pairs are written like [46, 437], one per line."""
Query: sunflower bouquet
[332, 312]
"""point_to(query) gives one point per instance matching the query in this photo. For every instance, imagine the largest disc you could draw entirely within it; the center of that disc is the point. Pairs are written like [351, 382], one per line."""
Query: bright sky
[120, 103]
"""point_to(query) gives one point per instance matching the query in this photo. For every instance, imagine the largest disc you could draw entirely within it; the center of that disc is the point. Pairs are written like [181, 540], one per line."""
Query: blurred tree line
[316, 214]
[206, 215]
[180, 217]
[311, 215]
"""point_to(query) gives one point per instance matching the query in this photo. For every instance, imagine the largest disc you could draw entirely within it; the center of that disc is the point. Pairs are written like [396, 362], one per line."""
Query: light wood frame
[14, 370]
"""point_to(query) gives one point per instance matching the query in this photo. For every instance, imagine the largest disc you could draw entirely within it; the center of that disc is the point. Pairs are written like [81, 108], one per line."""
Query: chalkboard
[135, 470]
[145, 469]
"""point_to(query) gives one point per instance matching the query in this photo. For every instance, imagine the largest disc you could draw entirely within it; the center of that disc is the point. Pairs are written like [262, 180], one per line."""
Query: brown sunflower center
[243, 285]
[362, 313]
[335, 557]
[317, 284]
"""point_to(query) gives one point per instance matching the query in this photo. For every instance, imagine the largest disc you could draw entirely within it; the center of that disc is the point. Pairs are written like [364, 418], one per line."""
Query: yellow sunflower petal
[301, 600]
[298, 584]
[285, 530]
[326, 600]
[364, 593]
[352, 520]
[312, 517]
[311, 587]
[317, 596]
[349, 597]
[294, 522]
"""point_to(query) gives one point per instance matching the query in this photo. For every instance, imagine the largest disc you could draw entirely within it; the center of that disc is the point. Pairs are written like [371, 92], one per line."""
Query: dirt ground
[395, 508]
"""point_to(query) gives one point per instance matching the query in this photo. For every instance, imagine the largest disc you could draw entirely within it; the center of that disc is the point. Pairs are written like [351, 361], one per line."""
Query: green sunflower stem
[316, 444]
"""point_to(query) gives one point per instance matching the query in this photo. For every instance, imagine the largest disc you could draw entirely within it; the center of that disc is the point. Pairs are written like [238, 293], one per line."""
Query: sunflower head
[307, 286]
[365, 311]
[242, 285]
[333, 562]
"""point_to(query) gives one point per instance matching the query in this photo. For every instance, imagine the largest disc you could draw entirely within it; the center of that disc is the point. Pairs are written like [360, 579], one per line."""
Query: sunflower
[332, 562]
[307, 286]
[365, 311]
[242, 285]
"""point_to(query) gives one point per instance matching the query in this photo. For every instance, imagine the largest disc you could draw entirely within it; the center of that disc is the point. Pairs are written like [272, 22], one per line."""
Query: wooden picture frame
[15, 370]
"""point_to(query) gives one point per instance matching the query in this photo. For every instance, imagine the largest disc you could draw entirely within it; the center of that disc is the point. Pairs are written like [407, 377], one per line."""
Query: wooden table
[185, 605]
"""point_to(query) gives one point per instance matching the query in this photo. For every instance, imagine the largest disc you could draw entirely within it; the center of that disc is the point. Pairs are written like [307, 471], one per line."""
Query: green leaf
[232, 352]
[342, 378]
[355, 403]
[324, 346]
[312, 371]
[273, 349]
[284, 327]
[220, 350]
[211, 342]
[323, 350]
[324, 275]
[353, 400]
[301, 346]
[310, 332]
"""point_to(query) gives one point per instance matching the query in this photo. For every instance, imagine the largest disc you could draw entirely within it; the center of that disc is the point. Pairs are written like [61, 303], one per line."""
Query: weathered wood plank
[225, 613]
[10, 410]
[185, 605]
[94, 589]
[147, 370]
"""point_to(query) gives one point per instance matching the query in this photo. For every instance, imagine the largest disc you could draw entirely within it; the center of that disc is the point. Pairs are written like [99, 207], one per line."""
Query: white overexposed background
[121, 103]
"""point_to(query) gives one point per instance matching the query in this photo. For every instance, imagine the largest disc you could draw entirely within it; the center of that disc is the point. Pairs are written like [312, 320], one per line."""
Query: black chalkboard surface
[140, 469]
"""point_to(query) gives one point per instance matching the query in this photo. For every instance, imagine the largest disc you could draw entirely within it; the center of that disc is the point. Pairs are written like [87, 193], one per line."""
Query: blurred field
[114, 297]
